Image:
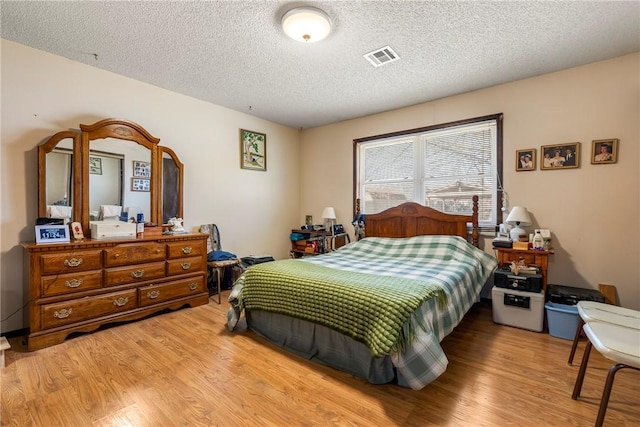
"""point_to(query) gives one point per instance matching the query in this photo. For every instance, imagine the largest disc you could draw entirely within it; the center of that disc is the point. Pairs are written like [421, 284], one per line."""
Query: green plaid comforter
[411, 274]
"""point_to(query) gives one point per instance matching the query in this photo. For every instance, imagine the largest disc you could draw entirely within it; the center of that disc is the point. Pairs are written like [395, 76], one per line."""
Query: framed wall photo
[253, 150]
[140, 184]
[141, 169]
[526, 159]
[604, 151]
[560, 156]
[95, 165]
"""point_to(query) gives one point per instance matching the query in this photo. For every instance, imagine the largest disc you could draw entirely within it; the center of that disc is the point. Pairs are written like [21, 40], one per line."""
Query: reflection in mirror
[105, 181]
[170, 188]
[59, 179]
[113, 180]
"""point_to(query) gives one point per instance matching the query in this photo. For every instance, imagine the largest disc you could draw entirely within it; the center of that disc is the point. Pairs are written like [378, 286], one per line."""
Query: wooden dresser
[79, 286]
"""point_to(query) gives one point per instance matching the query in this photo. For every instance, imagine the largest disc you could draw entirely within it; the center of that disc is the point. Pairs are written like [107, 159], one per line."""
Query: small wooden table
[531, 257]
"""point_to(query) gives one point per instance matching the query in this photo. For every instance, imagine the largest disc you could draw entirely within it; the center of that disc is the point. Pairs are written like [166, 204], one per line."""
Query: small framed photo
[95, 165]
[140, 184]
[526, 159]
[141, 169]
[253, 150]
[562, 156]
[604, 151]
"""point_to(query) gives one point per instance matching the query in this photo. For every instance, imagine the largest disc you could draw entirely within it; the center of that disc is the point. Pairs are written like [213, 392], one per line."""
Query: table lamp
[329, 214]
[518, 216]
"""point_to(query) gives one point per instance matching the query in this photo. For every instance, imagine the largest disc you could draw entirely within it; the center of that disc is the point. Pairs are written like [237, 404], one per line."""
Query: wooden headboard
[412, 219]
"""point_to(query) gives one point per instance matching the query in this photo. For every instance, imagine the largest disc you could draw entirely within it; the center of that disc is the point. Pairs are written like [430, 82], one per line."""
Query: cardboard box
[152, 231]
[522, 246]
[103, 230]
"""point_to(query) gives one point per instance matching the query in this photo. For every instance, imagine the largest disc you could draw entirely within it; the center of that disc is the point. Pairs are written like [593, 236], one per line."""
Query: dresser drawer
[186, 249]
[133, 274]
[528, 257]
[133, 253]
[68, 262]
[185, 265]
[155, 294]
[69, 283]
[82, 309]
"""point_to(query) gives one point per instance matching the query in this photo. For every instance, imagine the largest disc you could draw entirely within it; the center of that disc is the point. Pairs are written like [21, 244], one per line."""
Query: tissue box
[102, 230]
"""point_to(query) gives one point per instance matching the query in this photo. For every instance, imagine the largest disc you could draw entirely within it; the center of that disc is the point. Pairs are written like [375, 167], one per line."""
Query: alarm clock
[52, 233]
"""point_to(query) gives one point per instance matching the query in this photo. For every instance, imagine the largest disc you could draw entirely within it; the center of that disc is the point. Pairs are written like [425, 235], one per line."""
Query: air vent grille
[381, 56]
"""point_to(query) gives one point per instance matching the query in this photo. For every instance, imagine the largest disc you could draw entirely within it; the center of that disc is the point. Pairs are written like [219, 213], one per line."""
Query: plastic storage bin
[562, 320]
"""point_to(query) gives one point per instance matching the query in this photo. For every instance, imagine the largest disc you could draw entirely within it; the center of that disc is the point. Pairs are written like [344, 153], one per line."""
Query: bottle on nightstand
[538, 241]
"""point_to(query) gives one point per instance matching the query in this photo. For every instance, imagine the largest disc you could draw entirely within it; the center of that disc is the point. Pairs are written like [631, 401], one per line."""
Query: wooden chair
[216, 267]
[620, 344]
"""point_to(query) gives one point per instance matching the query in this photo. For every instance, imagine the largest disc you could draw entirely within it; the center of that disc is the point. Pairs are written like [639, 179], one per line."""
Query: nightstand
[530, 257]
[309, 243]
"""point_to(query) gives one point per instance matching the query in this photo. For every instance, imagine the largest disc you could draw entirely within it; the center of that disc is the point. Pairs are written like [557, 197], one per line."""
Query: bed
[377, 308]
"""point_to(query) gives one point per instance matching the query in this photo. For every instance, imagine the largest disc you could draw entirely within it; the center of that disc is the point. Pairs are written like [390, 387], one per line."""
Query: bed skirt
[324, 345]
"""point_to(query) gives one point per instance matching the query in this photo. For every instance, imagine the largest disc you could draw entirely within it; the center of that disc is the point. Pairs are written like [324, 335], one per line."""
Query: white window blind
[442, 167]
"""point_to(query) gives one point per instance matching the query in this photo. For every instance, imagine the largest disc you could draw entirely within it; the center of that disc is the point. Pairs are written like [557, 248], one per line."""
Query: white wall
[43, 94]
[592, 210]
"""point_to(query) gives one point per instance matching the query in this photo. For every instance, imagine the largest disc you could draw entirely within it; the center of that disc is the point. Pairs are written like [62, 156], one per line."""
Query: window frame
[498, 117]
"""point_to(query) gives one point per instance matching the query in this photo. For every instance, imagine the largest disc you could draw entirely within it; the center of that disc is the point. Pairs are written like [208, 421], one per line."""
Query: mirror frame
[180, 167]
[107, 128]
[46, 148]
[117, 129]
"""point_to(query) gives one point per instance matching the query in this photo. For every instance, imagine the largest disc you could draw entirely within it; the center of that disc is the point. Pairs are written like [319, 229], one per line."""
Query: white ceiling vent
[381, 56]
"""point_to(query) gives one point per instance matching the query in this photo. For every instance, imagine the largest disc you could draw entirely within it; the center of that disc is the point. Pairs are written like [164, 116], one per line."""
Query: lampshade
[519, 216]
[306, 24]
[329, 213]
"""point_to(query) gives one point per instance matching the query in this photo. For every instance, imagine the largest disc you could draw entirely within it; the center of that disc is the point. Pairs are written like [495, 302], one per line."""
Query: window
[440, 166]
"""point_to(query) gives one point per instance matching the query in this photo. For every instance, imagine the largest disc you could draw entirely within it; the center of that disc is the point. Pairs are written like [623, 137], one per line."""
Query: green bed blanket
[370, 308]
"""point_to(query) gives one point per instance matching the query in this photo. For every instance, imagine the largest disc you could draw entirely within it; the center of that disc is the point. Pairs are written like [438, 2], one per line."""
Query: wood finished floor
[184, 368]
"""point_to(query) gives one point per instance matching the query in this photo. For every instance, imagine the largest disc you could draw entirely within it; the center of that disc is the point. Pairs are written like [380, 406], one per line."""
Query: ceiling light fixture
[306, 24]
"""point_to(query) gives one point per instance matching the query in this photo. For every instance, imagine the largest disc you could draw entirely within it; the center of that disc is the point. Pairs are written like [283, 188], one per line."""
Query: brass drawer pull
[187, 250]
[186, 265]
[137, 274]
[121, 301]
[153, 294]
[116, 256]
[73, 283]
[73, 262]
[65, 312]
[193, 286]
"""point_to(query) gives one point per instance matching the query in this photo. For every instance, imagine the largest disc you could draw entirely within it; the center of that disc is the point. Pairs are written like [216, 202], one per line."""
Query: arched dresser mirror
[112, 162]
[79, 285]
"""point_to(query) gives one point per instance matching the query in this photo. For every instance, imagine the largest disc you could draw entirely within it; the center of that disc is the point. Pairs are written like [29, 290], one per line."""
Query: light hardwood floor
[185, 368]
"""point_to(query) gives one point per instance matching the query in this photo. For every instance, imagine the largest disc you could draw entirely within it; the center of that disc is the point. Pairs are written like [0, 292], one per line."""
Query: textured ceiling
[234, 53]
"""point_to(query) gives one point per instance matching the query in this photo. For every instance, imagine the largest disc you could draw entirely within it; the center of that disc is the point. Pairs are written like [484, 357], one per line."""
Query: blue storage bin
[562, 320]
